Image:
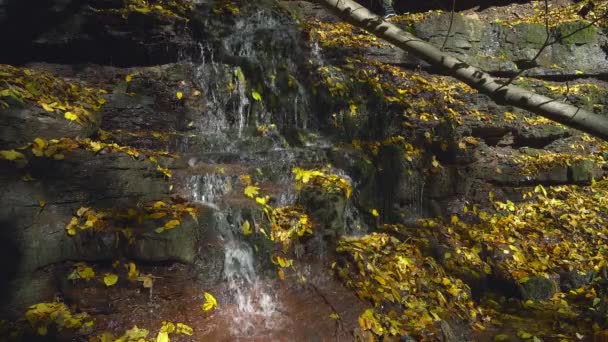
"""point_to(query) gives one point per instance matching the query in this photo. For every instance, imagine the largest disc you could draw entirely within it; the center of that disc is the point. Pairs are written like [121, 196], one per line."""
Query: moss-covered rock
[537, 288]
[577, 32]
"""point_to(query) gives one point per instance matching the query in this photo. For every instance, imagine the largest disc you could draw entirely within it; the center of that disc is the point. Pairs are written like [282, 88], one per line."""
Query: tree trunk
[555, 110]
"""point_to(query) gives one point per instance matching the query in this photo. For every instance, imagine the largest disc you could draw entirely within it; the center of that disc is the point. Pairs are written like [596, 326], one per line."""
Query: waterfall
[252, 306]
[255, 306]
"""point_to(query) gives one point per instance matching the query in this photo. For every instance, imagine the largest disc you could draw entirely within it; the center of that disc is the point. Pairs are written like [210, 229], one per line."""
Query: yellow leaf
[179, 95]
[284, 262]
[168, 327]
[380, 280]
[110, 279]
[251, 191]
[70, 116]
[334, 315]
[42, 204]
[129, 77]
[375, 213]
[40, 143]
[171, 224]
[82, 271]
[134, 334]
[196, 93]
[46, 107]
[158, 215]
[162, 336]
[96, 146]
[184, 329]
[261, 200]
[58, 156]
[256, 96]
[11, 155]
[164, 171]
[159, 204]
[210, 302]
[435, 162]
[133, 272]
[246, 228]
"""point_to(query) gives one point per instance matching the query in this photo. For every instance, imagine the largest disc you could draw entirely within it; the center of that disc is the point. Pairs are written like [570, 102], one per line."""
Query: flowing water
[250, 303]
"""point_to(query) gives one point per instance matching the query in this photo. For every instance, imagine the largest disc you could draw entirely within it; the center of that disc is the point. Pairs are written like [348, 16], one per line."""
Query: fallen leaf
[110, 279]
[210, 302]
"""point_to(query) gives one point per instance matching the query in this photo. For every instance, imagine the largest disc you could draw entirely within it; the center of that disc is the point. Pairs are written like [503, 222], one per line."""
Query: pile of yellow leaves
[179, 9]
[56, 149]
[40, 316]
[425, 98]
[563, 14]
[226, 7]
[410, 152]
[113, 219]
[129, 270]
[411, 293]
[322, 178]
[341, 35]
[141, 335]
[532, 164]
[119, 133]
[288, 224]
[53, 94]
[559, 229]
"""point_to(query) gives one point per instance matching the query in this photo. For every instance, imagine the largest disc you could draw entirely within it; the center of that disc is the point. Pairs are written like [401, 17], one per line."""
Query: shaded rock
[90, 31]
[27, 289]
[573, 280]
[179, 244]
[326, 209]
[82, 179]
[21, 123]
[584, 171]
[555, 175]
[537, 288]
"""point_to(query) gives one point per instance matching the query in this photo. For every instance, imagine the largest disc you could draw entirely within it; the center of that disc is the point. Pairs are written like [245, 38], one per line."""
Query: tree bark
[555, 110]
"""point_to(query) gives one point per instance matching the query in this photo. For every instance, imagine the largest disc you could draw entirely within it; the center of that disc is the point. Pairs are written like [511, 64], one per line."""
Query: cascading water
[255, 307]
[257, 61]
[252, 306]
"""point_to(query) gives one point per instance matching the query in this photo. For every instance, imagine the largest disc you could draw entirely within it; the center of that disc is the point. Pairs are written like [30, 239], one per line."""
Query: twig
[447, 35]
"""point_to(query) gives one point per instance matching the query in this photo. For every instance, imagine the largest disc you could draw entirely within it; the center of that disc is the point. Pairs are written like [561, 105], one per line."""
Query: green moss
[535, 33]
[577, 32]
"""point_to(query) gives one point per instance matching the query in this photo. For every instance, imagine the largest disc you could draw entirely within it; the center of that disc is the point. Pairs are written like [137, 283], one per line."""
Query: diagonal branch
[564, 113]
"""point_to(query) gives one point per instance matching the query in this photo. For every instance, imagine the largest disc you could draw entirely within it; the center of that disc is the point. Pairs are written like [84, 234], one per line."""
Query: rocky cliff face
[115, 106]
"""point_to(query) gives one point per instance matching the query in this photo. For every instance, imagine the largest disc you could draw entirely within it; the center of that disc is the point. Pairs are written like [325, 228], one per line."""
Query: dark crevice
[72, 32]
